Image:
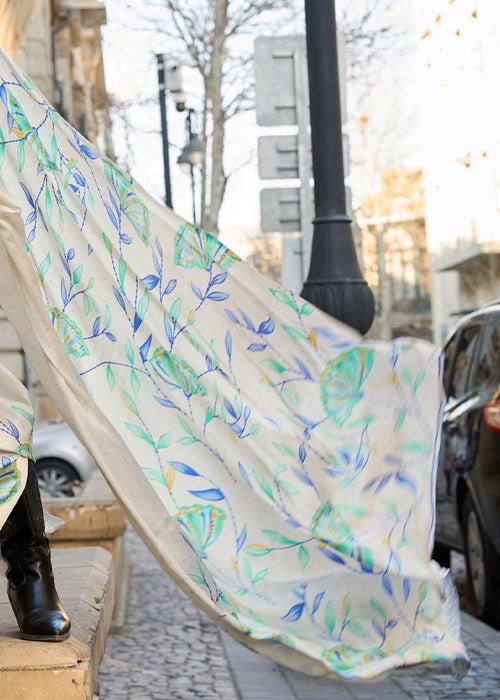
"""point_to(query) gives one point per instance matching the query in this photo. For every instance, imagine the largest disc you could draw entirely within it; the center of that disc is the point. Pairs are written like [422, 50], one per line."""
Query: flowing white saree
[279, 467]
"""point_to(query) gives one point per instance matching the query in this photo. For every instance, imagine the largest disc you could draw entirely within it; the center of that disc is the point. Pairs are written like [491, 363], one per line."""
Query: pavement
[168, 650]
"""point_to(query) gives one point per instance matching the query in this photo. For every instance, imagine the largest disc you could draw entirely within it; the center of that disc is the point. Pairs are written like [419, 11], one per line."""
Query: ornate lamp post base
[335, 283]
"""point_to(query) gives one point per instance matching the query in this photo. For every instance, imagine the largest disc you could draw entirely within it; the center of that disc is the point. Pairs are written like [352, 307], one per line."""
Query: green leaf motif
[77, 274]
[142, 309]
[122, 268]
[329, 617]
[134, 382]
[260, 576]
[400, 420]
[130, 403]
[341, 382]
[378, 609]
[274, 365]
[413, 447]
[48, 203]
[418, 381]
[129, 351]
[175, 309]
[356, 629]
[257, 550]
[163, 441]
[278, 537]
[304, 556]
[110, 377]
[264, 485]
[44, 267]
[140, 433]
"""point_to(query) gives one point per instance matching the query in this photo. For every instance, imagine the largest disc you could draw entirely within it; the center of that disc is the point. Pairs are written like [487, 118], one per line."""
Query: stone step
[94, 519]
[64, 670]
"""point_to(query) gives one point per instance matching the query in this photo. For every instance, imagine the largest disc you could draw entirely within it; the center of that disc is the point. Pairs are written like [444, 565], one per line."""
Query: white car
[62, 462]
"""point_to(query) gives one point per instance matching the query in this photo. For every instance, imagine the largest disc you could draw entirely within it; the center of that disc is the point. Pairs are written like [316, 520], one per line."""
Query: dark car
[468, 479]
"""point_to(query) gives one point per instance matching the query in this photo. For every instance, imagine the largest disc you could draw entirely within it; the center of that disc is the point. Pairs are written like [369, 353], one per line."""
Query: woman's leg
[31, 586]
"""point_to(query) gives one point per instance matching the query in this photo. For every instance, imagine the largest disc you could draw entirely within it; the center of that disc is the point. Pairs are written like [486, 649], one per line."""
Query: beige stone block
[65, 670]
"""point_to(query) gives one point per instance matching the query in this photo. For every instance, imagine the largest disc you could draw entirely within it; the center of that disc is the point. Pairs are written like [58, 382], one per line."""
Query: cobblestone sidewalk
[170, 651]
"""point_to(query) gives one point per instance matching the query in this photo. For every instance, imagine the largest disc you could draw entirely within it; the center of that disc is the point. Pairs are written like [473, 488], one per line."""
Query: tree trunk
[217, 180]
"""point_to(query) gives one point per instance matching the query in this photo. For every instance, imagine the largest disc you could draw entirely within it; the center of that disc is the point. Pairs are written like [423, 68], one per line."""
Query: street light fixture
[335, 283]
[191, 155]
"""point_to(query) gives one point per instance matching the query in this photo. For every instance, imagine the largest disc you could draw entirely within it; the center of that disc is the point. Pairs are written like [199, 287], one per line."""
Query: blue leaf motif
[119, 298]
[406, 588]
[112, 216]
[209, 494]
[170, 287]
[217, 296]
[27, 194]
[257, 347]
[244, 475]
[219, 279]
[229, 344]
[317, 602]
[266, 327]
[387, 584]
[230, 409]
[186, 469]
[331, 555]
[405, 480]
[144, 349]
[295, 613]
[165, 402]
[150, 281]
[241, 538]
[302, 453]
[197, 292]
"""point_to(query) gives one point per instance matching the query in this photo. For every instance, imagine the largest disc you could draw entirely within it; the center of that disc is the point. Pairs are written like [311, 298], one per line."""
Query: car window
[466, 348]
[488, 365]
[448, 354]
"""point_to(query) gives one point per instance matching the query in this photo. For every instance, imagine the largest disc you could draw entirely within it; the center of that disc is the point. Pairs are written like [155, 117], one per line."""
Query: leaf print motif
[344, 657]
[68, 332]
[23, 129]
[131, 204]
[177, 372]
[10, 479]
[194, 247]
[341, 382]
[202, 524]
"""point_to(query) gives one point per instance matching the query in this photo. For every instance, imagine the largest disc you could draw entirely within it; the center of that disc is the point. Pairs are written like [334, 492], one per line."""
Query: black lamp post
[191, 155]
[162, 96]
[335, 283]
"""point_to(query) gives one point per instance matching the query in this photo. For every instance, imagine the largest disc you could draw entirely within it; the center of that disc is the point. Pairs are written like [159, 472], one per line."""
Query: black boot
[31, 586]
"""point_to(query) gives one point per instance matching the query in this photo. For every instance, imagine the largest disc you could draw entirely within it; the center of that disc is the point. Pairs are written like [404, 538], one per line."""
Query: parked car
[468, 478]
[62, 462]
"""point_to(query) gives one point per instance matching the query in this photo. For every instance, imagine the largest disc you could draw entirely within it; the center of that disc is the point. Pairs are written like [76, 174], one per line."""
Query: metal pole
[189, 128]
[335, 283]
[162, 96]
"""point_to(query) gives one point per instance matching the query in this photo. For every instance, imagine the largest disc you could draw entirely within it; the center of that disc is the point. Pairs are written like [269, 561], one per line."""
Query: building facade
[459, 59]
[393, 242]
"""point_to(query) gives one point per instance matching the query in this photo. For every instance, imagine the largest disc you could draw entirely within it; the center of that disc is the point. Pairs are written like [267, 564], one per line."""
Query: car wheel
[442, 554]
[57, 479]
[483, 567]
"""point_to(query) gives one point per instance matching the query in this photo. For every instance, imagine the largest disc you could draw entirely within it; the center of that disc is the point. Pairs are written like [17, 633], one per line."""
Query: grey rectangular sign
[278, 157]
[280, 208]
[276, 79]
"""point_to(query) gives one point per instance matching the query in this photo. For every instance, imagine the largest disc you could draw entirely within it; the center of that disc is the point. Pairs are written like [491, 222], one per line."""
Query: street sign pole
[162, 96]
[335, 283]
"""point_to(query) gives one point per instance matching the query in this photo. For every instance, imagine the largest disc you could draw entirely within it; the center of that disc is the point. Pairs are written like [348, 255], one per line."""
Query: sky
[390, 136]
